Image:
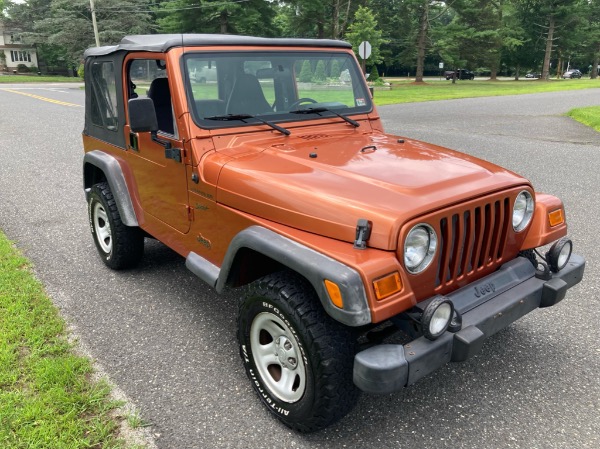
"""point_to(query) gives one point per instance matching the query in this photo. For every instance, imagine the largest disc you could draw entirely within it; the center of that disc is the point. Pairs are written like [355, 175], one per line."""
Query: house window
[20, 56]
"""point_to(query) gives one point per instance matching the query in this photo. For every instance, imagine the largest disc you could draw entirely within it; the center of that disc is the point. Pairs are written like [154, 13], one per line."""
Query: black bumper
[511, 292]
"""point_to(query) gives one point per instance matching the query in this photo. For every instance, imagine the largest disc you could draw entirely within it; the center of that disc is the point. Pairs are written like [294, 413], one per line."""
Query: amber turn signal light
[556, 217]
[334, 293]
[387, 285]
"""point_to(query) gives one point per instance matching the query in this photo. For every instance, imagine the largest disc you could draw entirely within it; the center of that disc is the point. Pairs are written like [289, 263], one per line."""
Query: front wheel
[297, 358]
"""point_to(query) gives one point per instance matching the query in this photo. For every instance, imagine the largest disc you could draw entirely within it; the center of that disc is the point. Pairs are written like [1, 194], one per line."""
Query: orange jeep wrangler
[368, 260]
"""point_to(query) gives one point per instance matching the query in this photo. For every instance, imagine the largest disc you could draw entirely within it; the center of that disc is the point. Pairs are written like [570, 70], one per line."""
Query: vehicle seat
[247, 97]
[160, 94]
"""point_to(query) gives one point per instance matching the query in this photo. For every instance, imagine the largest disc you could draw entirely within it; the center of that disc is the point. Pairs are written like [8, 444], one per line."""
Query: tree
[553, 17]
[306, 75]
[65, 26]
[591, 36]
[314, 18]
[426, 13]
[253, 17]
[364, 28]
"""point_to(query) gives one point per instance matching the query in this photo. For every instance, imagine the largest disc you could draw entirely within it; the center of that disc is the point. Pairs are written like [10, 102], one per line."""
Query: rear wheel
[298, 359]
[120, 246]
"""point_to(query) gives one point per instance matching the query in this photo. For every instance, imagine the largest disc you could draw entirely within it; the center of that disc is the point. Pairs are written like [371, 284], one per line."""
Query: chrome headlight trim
[523, 208]
[420, 246]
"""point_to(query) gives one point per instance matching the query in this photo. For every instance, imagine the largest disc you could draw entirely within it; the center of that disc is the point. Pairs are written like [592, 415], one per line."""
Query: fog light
[436, 317]
[559, 254]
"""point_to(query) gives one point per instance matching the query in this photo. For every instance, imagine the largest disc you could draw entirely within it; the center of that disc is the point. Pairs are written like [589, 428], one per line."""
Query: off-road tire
[119, 246]
[322, 349]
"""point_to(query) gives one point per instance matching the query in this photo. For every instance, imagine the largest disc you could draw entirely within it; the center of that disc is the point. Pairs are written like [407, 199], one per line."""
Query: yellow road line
[50, 100]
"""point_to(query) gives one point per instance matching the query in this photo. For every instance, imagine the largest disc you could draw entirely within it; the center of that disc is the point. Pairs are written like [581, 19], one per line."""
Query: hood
[324, 183]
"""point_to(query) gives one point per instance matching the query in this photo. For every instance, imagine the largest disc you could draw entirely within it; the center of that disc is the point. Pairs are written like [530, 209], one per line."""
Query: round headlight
[559, 254]
[522, 211]
[419, 248]
[437, 317]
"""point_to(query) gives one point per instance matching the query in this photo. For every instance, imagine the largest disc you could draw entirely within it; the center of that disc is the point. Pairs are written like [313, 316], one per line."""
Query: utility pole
[94, 23]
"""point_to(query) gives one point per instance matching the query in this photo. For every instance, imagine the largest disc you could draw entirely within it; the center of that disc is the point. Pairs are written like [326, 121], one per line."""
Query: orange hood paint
[371, 176]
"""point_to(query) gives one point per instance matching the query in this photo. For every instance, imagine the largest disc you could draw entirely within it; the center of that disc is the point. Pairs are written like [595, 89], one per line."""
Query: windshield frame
[357, 88]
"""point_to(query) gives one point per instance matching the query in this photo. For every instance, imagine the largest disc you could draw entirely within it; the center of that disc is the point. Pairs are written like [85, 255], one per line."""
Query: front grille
[472, 240]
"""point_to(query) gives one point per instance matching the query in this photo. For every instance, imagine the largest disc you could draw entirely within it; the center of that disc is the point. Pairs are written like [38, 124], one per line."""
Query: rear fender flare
[116, 180]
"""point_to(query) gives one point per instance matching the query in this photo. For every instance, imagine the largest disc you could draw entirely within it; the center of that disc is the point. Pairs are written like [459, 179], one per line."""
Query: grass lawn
[588, 116]
[407, 92]
[17, 79]
[47, 397]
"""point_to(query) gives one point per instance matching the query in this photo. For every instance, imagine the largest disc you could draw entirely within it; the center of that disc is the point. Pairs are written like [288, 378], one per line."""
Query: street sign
[364, 50]
[441, 65]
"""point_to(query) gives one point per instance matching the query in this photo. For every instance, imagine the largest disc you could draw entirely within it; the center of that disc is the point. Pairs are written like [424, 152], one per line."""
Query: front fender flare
[314, 266]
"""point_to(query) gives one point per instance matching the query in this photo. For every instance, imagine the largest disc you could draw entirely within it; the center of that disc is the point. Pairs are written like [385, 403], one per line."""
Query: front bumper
[487, 306]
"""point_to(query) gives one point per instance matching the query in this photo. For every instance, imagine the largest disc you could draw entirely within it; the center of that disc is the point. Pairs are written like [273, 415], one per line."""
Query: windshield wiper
[322, 109]
[247, 116]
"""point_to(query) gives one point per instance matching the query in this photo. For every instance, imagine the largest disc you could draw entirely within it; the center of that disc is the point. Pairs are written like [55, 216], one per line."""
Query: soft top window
[104, 99]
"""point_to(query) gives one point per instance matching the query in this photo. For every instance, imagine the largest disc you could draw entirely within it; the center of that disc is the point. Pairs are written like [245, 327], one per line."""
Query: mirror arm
[164, 143]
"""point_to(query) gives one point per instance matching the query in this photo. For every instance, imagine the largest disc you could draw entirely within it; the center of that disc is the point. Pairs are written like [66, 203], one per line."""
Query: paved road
[169, 342]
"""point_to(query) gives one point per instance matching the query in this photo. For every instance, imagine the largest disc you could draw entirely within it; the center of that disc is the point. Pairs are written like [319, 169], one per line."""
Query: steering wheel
[299, 101]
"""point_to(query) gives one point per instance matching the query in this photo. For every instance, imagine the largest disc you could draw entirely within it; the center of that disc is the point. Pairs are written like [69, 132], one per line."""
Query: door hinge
[173, 153]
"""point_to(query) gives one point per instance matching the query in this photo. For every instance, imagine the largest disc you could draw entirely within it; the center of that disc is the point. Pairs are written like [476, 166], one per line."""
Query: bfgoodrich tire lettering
[299, 360]
[120, 246]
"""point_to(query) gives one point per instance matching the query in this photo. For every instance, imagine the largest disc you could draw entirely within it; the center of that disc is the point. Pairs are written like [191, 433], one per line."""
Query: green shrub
[335, 69]
[22, 68]
[320, 74]
[80, 71]
[306, 73]
[374, 74]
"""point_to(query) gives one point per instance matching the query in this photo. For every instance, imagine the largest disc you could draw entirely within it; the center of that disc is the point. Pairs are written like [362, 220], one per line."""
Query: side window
[148, 77]
[104, 100]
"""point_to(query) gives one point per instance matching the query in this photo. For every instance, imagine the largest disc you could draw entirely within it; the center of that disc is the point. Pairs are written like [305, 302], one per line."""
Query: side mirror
[142, 116]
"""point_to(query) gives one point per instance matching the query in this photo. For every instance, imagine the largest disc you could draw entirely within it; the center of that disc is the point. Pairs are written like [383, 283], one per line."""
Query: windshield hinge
[363, 233]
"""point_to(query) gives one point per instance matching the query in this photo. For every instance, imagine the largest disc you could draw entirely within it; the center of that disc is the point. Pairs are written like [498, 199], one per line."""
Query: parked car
[205, 74]
[461, 74]
[533, 75]
[572, 74]
[338, 233]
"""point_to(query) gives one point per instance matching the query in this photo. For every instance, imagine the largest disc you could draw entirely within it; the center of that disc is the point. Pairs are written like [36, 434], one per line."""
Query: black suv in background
[461, 74]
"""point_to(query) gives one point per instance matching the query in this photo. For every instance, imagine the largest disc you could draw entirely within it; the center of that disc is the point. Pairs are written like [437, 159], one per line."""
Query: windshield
[225, 88]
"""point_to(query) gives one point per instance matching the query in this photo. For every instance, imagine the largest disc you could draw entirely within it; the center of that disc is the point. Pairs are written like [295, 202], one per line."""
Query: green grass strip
[432, 90]
[47, 398]
[18, 79]
[588, 116]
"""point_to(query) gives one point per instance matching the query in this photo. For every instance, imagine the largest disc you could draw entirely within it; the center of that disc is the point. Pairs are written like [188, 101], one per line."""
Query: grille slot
[472, 240]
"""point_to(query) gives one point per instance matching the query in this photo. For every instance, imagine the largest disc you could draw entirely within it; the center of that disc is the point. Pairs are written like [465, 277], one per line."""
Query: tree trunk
[335, 19]
[422, 41]
[517, 70]
[595, 62]
[346, 18]
[224, 19]
[494, 73]
[548, 54]
[320, 30]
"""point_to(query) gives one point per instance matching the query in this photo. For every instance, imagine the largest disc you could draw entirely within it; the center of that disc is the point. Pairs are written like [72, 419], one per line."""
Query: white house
[13, 51]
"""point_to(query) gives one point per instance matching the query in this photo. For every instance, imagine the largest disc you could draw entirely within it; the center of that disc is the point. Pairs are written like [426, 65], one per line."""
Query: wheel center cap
[285, 352]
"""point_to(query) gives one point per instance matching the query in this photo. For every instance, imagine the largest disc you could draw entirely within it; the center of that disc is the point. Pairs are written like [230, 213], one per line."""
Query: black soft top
[163, 42]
